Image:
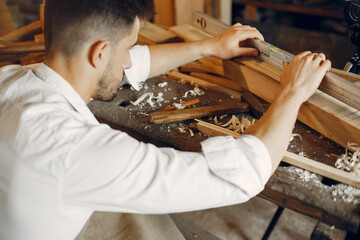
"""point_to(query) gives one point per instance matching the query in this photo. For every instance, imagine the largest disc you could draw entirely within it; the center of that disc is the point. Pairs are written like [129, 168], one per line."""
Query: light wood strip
[204, 84]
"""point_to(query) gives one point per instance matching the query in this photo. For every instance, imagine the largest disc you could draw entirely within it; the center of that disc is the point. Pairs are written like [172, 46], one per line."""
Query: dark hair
[71, 23]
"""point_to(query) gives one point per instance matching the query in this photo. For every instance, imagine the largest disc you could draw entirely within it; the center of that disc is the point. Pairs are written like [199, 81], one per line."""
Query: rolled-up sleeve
[245, 161]
[107, 170]
[140, 70]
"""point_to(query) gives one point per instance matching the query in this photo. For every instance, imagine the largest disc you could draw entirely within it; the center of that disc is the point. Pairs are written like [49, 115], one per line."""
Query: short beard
[106, 85]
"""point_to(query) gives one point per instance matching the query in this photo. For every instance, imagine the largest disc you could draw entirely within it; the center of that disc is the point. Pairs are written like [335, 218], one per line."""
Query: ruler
[333, 85]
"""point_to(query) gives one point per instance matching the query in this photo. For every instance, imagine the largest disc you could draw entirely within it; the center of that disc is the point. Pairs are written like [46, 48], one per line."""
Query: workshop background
[293, 25]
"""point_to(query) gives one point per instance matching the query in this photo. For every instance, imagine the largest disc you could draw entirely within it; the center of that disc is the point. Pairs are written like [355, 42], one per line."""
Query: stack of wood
[323, 113]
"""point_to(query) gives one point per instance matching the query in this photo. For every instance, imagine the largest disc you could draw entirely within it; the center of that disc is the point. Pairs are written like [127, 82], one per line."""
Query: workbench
[328, 201]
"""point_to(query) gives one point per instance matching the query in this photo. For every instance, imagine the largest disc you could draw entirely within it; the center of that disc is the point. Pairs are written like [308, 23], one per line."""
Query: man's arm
[299, 81]
[165, 57]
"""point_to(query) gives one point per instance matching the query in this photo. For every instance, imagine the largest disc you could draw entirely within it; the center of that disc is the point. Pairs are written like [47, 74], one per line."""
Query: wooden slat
[151, 34]
[189, 33]
[22, 33]
[291, 158]
[197, 112]
[205, 65]
[185, 8]
[22, 49]
[204, 84]
[325, 114]
[217, 80]
[165, 12]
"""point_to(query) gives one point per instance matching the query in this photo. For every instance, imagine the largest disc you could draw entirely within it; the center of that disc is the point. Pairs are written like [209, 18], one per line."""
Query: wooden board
[204, 84]
[165, 12]
[151, 34]
[325, 114]
[189, 33]
[185, 8]
[291, 158]
[23, 33]
[217, 80]
[160, 117]
[205, 65]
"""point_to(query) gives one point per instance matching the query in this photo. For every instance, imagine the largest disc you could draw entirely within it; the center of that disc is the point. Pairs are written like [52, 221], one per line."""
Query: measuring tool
[333, 85]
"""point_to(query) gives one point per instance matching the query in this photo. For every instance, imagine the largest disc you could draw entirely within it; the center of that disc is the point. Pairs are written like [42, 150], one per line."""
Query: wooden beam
[203, 84]
[16, 49]
[164, 12]
[22, 33]
[325, 114]
[151, 34]
[291, 158]
[217, 80]
[226, 11]
[185, 8]
[189, 33]
[205, 65]
[197, 112]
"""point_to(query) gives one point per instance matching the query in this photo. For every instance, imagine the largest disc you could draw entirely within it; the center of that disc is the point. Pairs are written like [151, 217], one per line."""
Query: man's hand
[303, 75]
[299, 80]
[227, 44]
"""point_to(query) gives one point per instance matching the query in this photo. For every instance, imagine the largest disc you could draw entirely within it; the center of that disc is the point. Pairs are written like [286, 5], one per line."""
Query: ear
[99, 53]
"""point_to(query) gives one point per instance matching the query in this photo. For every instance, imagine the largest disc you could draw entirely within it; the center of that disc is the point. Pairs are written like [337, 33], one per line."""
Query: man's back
[32, 151]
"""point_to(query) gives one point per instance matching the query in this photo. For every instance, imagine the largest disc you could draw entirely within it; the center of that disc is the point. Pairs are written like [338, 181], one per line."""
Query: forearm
[275, 127]
[165, 57]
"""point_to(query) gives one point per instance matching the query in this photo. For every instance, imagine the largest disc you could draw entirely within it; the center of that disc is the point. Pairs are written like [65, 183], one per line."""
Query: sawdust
[234, 123]
[350, 161]
[339, 191]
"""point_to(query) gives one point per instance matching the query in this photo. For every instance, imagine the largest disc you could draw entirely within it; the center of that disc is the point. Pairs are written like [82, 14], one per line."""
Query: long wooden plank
[217, 80]
[197, 112]
[204, 84]
[151, 34]
[16, 49]
[189, 33]
[291, 158]
[321, 112]
[21, 33]
[325, 114]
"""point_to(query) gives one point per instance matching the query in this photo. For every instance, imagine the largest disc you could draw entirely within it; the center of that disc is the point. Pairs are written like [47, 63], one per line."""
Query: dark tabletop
[329, 201]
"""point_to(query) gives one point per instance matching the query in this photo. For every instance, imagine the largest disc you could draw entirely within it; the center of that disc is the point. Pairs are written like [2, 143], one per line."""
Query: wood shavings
[151, 100]
[178, 106]
[350, 161]
[216, 121]
[236, 125]
[223, 116]
[185, 129]
[295, 135]
[163, 84]
[195, 92]
[181, 130]
[191, 132]
[140, 99]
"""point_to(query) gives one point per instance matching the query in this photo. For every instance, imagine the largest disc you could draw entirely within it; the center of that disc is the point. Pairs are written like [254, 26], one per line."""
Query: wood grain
[325, 114]
[197, 112]
[151, 34]
[204, 84]
[217, 80]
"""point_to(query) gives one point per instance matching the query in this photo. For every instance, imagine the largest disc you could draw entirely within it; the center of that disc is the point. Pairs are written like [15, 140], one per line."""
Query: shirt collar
[51, 77]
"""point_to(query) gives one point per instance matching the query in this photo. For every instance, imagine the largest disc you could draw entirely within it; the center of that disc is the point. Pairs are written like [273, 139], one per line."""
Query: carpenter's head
[103, 30]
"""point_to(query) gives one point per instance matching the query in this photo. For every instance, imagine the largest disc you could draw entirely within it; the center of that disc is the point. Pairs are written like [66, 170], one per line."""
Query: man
[58, 164]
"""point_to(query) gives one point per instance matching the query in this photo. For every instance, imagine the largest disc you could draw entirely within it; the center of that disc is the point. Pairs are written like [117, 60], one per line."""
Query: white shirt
[58, 164]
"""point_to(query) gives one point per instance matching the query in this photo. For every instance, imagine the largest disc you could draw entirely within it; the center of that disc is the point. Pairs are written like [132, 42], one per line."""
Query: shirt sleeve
[107, 170]
[140, 70]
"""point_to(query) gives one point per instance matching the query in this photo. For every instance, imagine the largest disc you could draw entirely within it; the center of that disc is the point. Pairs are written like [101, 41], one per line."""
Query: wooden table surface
[330, 202]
